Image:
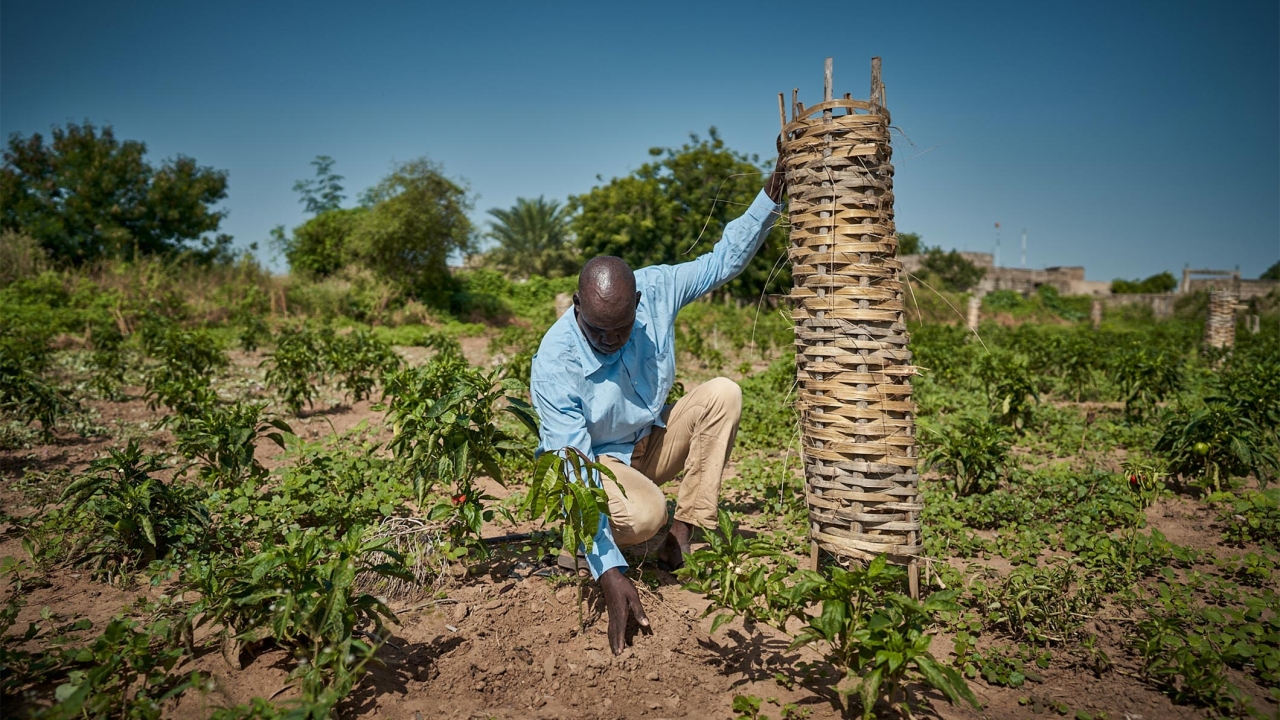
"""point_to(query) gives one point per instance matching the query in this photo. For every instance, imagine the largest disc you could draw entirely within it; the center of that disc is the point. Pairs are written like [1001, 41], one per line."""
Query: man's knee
[727, 394]
[648, 516]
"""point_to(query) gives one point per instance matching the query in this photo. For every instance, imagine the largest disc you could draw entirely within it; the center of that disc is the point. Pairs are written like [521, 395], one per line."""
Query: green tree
[324, 192]
[533, 239]
[956, 273]
[675, 207]
[417, 219]
[1160, 283]
[1272, 273]
[909, 244]
[86, 195]
[319, 246]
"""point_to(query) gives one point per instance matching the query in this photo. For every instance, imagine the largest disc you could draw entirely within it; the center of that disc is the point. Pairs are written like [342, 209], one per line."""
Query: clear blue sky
[1126, 137]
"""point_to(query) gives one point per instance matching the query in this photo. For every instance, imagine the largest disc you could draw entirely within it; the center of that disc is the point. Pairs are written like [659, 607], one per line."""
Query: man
[599, 382]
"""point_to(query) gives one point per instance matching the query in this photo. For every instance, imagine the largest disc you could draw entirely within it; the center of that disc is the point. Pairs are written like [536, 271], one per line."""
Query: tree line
[84, 195]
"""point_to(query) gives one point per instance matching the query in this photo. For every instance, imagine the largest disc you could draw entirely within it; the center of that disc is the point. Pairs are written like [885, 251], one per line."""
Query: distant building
[1066, 280]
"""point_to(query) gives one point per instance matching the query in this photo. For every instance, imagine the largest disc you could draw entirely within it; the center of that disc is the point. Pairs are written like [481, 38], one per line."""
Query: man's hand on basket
[622, 600]
[777, 185]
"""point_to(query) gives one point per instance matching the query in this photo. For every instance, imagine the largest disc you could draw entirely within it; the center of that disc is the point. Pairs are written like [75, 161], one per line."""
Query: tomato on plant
[1201, 448]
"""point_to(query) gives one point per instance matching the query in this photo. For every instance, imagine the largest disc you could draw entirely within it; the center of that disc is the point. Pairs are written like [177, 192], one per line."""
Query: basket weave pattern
[853, 366]
[1220, 328]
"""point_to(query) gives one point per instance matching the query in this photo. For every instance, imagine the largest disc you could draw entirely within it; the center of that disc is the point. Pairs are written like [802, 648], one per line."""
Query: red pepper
[459, 498]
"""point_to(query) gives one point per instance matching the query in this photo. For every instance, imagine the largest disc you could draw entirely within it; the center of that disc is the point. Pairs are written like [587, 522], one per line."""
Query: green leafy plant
[298, 365]
[125, 516]
[1146, 377]
[567, 488]
[1040, 604]
[1146, 478]
[301, 594]
[876, 636]
[972, 451]
[1217, 442]
[223, 438]
[1011, 389]
[745, 577]
[1250, 516]
[444, 417]
[23, 390]
[124, 672]
[359, 360]
[1008, 666]
[183, 364]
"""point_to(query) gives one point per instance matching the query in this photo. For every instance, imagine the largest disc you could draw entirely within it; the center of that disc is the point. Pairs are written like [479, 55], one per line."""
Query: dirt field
[505, 643]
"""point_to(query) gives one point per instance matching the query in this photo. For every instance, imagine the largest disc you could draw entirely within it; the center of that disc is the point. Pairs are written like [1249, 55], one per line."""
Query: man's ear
[637, 298]
[576, 302]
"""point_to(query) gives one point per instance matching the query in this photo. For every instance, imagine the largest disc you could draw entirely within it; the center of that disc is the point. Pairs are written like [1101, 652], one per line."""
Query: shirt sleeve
[742, 238]
[563, 426]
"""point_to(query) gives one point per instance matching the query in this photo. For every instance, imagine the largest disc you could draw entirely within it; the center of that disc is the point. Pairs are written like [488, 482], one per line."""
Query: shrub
[125, 517]
[1215, 442]
[973, 452]
[956, 273]
[224, 439]
[298, 365]
[20, 257]
[301, 595]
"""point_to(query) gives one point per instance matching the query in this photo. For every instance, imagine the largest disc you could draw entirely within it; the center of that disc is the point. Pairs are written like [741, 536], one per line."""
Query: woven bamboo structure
[1220, 328]
[853, 366]
[973, 312]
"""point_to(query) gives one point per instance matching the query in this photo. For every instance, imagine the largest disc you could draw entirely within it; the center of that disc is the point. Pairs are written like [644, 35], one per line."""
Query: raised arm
[740, 242]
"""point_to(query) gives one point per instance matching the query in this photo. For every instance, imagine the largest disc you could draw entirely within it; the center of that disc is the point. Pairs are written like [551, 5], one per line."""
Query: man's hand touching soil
[622, 600]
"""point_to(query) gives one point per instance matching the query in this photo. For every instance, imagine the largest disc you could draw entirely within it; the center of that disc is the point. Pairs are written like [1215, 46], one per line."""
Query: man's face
[606, 325]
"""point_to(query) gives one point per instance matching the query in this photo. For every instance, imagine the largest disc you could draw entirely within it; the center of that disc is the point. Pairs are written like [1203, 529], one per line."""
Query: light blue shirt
[604, 404]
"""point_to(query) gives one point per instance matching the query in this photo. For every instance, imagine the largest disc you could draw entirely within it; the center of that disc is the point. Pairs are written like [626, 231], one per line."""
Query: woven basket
[1220, 326]
[853, 365]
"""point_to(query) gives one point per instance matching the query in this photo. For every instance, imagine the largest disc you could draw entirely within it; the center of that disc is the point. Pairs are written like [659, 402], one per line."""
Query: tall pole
[1024, 248]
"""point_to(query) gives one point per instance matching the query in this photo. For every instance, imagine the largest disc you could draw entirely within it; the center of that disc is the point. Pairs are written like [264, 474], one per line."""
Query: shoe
[571, 564]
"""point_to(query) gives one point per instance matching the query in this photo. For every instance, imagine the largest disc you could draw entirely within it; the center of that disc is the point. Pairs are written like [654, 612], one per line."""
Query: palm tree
[533, 239]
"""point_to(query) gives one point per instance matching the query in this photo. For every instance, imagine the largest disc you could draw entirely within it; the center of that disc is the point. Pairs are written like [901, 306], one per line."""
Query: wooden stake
[913, 578]
[826, 79]
[813, 555]
[795, 103]
[875, 82]
[782, 112]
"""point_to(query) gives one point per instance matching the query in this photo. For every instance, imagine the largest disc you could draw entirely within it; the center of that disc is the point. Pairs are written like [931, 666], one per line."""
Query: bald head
[606, 302]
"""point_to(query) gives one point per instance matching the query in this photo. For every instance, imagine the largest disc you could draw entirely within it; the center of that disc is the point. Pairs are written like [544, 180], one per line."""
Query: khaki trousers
[697, 439]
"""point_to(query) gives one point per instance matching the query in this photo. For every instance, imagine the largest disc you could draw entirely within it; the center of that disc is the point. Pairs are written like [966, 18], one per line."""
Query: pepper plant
[127, 516]
[301, 594]
[877, 636]
[223, 438]
[445, 421]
